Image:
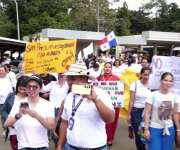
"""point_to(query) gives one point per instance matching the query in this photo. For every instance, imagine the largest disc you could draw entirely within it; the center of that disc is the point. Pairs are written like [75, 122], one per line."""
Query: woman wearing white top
[160, 110]
[57, 91]
[117, 68]
[32, 118]
[13, 98]
[138, 93]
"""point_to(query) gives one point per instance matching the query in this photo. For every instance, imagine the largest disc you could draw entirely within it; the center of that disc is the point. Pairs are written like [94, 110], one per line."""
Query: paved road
[121, 141]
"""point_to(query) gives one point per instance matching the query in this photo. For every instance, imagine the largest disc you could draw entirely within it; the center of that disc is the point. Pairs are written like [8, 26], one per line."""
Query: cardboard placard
[51, 56]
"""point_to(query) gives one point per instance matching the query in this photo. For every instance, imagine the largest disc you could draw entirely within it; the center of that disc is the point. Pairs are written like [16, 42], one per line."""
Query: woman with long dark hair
[161, 109]
[10, 100]
[138, 93]
[110, 127]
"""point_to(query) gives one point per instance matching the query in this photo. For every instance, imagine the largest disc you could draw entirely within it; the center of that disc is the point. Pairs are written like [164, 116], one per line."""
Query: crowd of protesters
[33, 106]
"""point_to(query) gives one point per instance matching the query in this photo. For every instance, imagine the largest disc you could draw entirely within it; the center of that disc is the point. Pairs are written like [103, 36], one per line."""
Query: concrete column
[141, 47]
[95, 48]
[171, 51]
[118, 51]
[155, 50]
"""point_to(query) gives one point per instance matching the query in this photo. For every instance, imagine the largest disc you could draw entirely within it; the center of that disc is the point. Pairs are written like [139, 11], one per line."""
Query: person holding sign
[86, 110]
[110, 127]
[138, 93]
[161, 109]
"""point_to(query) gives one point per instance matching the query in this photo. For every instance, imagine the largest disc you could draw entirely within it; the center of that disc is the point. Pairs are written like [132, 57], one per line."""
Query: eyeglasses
[33, 87]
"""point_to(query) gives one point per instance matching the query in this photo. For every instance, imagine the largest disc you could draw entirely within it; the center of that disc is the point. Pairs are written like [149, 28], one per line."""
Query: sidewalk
[121, 140]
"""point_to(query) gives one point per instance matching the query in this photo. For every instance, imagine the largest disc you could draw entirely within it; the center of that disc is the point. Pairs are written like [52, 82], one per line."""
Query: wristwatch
[17, 116]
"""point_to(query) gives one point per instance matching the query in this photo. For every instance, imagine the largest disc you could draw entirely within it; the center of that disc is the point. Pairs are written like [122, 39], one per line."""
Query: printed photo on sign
[165, 110]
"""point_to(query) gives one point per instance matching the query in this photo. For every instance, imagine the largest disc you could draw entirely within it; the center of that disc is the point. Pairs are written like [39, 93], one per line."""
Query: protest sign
[115, 89]
[51, 56]
[161, 64]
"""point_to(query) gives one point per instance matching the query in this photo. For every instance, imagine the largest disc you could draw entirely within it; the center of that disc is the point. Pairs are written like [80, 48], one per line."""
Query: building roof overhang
[8, 44]
[72, 34]
[151, 38]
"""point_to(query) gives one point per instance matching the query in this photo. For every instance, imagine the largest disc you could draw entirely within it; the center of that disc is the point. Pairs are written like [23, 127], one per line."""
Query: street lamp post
[17, 17]
[98, 21]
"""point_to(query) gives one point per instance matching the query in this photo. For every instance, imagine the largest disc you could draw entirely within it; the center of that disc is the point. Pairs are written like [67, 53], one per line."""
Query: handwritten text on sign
[115, 89]
[161, 64]
[51, 56]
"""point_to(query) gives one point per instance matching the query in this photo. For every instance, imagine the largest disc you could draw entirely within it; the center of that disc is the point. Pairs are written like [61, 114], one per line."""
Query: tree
[140, 22]
[86, 14]
[34, 15]
[122, 24]
[166, 17]
[6, 26]
[38, 14]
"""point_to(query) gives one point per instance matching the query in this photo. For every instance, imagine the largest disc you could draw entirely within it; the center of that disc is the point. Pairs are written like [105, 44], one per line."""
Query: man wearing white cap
[85, 113]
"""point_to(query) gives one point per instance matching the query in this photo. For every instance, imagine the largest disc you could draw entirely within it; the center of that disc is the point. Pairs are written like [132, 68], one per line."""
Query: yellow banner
[51, 56]
[127, 77]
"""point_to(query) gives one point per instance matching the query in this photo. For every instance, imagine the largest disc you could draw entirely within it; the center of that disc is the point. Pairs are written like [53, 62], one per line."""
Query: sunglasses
[33, 87]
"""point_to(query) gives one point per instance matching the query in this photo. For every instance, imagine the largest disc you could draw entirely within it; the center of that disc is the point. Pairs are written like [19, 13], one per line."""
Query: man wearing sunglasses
[33, 119]
[86, 110]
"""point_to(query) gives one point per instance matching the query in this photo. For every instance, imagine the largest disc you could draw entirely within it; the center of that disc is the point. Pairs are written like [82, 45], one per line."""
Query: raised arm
[106, 113]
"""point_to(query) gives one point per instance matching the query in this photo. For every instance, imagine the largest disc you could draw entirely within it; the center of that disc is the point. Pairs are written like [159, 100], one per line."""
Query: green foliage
[123, 23]
[34, 15]
[6, 26]
[140, 22]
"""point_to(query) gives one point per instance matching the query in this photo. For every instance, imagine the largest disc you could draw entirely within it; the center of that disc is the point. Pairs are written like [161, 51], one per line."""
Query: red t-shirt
[108, 78]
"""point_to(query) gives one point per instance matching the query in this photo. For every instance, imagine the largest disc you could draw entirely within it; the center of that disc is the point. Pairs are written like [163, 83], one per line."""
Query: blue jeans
[28, 148]
[158, 141]
[68, 147]
[136, 118]
[1, 108]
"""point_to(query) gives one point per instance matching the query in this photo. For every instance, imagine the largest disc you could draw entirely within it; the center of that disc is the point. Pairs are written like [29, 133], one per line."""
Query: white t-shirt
[30, 132]
[118, 70]
[136, 67]
[17, 99]
[5, 88]
[57, 93]
[162, 107]
[141, 93]
[93, 73]
[13, 79]
[89, 128]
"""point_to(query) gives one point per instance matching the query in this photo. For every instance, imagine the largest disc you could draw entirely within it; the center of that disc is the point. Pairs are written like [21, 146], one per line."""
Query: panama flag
[108, 42]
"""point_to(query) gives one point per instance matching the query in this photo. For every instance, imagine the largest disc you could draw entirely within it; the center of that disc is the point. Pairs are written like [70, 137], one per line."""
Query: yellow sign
[51, 56]
[127, 77]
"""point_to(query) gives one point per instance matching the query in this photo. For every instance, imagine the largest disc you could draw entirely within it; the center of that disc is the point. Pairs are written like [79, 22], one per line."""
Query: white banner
[161, 64]
[115, 89]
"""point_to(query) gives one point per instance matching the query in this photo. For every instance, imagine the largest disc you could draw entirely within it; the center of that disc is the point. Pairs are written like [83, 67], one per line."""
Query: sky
[135, 4]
